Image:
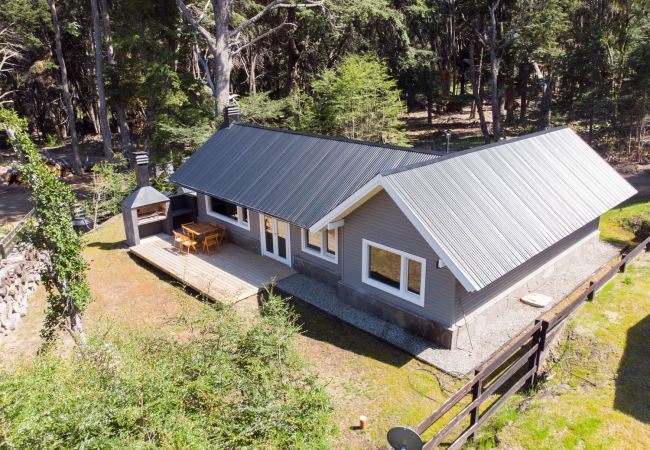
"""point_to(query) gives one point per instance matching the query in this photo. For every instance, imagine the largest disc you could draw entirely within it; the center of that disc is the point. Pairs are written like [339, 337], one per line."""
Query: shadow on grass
[633, 378]
[320, 326]
[108, 245]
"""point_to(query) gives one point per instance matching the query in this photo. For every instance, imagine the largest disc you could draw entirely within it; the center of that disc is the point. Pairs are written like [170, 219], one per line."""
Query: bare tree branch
[211, 41]
[262, 36]
[273, 5]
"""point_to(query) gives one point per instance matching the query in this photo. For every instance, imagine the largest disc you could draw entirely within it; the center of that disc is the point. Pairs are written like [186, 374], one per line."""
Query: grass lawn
[364, 375]
[597, 392]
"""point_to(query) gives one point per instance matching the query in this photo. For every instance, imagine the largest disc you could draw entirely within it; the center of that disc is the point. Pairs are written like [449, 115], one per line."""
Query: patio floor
[229, 275]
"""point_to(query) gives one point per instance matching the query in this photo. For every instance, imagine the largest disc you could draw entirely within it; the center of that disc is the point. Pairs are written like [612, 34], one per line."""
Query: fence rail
[8, 242]
[515, 365]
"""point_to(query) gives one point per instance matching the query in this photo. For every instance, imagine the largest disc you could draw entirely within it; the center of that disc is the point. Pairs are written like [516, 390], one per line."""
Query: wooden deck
[229, 275]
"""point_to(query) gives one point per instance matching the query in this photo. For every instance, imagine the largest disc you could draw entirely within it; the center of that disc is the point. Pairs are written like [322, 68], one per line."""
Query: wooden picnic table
[197, 229]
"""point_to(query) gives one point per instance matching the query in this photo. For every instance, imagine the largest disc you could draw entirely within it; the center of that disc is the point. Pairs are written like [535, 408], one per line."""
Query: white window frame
[403, 291]
[323, 253]
[263, 249]
[240, 214]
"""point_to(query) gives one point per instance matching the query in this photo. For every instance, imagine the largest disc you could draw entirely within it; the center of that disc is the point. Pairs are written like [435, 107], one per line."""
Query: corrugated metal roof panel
[492, 208]
[292, 176]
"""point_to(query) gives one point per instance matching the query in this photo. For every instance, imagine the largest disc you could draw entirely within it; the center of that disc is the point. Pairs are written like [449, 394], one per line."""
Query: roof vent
[231, 115]
[141, 160]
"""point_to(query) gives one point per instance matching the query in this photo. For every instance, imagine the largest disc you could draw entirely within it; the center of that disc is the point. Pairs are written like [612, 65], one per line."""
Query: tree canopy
[169, 65]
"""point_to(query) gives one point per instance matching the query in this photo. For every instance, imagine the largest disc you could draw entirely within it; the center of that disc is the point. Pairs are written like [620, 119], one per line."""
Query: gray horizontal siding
[381, 221]
[474, 300]
[249, 239]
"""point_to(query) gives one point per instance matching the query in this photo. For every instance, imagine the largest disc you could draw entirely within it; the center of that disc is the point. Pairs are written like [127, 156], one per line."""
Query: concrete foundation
[413, 324]
[315, 271]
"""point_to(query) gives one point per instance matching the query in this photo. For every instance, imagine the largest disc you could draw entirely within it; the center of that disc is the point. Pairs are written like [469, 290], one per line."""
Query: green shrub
[224, 384]
[112, 183]
[639, 225]
[458, 102]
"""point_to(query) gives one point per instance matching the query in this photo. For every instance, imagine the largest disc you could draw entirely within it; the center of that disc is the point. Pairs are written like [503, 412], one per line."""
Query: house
[426, 241]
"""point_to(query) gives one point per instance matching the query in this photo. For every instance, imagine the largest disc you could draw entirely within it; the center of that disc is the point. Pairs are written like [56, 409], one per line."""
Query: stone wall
[19, 276]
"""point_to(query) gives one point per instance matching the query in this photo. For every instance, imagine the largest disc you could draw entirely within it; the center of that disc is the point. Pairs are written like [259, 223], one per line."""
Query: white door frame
[264, 251]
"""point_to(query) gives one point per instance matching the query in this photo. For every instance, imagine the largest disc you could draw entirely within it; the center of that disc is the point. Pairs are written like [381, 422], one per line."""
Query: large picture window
[323, 244]
[394, 271]
[228, 212]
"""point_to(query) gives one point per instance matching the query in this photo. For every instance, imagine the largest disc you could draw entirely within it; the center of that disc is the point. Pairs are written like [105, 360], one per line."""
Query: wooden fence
[8, 242]
[515, 365]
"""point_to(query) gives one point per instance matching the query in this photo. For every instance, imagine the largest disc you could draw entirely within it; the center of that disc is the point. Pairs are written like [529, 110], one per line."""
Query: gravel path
[466, 357]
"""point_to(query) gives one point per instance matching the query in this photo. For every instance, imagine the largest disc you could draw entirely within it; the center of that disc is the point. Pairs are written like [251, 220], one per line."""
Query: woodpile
[62, 167]
[19, 277]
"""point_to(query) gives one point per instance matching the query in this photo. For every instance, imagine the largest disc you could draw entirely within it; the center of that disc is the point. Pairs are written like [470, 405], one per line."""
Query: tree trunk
[522, 88]
[66, 89]
[546, 86]
[494, 94]
[99, 75]
[293, 53]
[223, 57]
[125, 137]
[76, 327]
[477, 92]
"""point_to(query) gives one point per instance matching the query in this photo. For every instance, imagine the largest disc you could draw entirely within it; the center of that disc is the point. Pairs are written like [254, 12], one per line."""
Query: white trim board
[368, 191]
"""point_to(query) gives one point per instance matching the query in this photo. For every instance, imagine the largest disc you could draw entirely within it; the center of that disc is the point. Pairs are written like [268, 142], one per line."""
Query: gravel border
[462, 360]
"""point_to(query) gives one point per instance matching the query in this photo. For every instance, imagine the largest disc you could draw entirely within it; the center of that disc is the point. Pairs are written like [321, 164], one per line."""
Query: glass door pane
[282, 239]
[268, 234]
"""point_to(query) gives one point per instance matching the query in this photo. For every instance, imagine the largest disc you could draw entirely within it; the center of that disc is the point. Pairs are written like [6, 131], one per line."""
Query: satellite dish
[404, 438]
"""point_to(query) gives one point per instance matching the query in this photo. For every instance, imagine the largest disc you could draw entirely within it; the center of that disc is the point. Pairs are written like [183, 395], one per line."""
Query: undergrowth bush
[639, 225]
[223, 384]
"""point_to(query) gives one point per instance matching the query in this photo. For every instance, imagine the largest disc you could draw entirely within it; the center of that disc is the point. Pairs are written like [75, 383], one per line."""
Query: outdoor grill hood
[144, 195]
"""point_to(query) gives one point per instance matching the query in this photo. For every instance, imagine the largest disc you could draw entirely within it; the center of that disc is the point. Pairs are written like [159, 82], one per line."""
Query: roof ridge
[340, 139]
[458, 153]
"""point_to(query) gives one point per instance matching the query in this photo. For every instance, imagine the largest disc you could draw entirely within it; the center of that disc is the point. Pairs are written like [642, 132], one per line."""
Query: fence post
[542, 346]
[591, 294]
[477, 390]
[532, 360]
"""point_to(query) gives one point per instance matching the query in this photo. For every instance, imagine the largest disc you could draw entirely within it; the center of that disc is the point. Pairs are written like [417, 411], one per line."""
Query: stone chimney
[141, 160]
[231, 115]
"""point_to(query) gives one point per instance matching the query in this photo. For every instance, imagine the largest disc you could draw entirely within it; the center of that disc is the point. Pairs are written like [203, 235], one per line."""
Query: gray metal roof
[293, 176]
[490, 209]
[144, 196]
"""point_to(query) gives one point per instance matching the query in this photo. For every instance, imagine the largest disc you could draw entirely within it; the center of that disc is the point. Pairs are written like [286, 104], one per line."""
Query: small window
[315, 241]
[323, 244]
[228, 212]
[394, 271]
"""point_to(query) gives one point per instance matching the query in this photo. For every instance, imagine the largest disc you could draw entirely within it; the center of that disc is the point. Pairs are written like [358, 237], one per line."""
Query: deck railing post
[477, 390]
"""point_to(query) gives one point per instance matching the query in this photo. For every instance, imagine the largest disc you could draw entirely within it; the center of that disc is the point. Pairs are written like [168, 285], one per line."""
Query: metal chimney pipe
[141, 168]
[231, 115]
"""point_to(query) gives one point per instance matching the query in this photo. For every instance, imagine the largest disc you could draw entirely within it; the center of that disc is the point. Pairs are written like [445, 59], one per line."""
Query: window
[323, 244]
[393, 271]
[228, 212]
